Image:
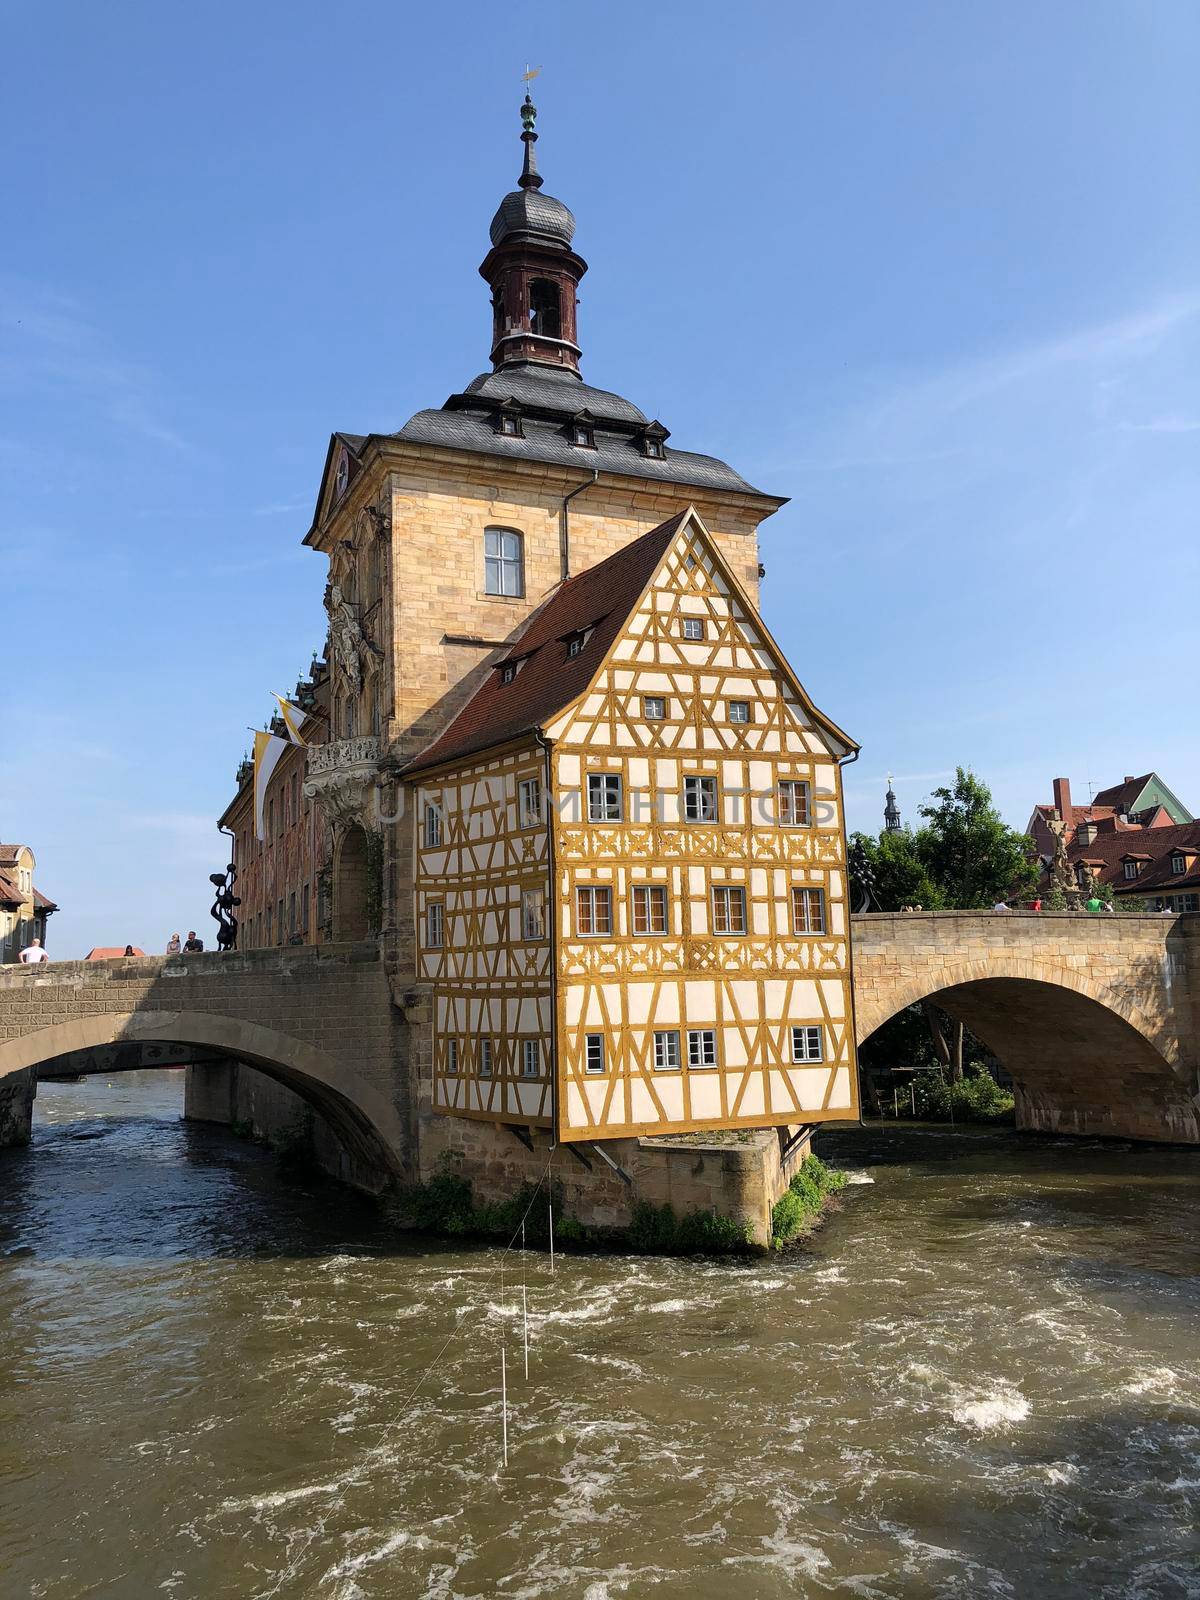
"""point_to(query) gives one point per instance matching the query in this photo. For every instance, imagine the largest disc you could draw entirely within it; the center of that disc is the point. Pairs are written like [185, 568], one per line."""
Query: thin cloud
[1162, 425]
[48, 342]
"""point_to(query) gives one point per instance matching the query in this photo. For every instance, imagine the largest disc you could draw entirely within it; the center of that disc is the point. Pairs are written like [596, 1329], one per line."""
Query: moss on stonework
[447, 1205]
[798, 1208]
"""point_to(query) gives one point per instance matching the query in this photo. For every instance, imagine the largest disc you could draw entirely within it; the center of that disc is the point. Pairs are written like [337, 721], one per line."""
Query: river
[981, 1377]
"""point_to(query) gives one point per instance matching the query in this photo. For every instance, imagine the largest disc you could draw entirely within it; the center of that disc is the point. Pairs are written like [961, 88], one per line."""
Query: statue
[345, 633]
[1062, 879]
[222, 907]
[862, 876]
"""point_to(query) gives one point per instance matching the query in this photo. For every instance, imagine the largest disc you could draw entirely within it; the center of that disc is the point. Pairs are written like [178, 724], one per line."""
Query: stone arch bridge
[1095, 1017]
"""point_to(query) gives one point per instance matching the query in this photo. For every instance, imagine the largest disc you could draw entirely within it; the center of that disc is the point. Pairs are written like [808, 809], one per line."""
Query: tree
[969, 851]
[890, 870]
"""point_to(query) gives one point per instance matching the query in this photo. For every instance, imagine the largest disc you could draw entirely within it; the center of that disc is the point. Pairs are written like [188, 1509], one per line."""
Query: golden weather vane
[530, 73]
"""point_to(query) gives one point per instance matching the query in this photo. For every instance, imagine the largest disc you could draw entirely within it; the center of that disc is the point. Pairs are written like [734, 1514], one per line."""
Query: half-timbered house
[630, 866]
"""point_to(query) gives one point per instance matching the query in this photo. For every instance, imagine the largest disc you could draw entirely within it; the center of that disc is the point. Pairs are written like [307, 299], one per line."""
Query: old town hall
[555, 759]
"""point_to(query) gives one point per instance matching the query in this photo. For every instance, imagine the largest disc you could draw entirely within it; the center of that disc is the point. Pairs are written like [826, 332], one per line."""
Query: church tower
[891, 811]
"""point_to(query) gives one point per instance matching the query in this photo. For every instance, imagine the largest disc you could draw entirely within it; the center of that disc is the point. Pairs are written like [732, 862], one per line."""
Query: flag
[267, 751]
[293, 719]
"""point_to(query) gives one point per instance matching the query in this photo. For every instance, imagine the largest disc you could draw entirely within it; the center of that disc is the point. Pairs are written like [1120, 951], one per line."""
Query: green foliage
[970, 852]
[799, 1206]
[976, 1098]
[656, 1230]
[964, 857]
[447, 1205]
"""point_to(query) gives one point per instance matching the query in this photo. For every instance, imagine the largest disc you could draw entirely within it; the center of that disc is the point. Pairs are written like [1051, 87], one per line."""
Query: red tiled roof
[9, 854]
[41, 903]
[110, 952]
[1122, 795]
[10, 895]
[1111, 850]
[600, 598]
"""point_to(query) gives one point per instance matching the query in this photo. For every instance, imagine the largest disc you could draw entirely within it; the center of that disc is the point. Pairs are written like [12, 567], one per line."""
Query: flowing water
[982, 1377]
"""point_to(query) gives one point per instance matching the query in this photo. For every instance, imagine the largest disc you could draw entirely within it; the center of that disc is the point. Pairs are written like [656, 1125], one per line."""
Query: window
[545, 309]
[739, 711]
[653, 441]
[485, 1058]
[793, 803]
[435, 925]
[503, 562]
[806, 1044]
[533, 914]
[654, 707]
[594, 1052]
[666, 1051]
[593, 909]
[702, 1047]
[1178, 865]
[510, 669]
[583, 432]
[530, 1063]
[576, 641]
[342, 475]
[693, 627]
[808, 910]
[292, 912]
[452, 1055]
[700, 799]
[729, 909]
[649, 908]
[433, 825]
[604, 796]
[1132, 868]
[509, 421]
[531, 802]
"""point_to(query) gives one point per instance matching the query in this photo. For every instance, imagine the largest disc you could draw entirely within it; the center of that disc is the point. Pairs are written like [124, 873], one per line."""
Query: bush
[798, 1208]
[975, 1098]
[656, 1230]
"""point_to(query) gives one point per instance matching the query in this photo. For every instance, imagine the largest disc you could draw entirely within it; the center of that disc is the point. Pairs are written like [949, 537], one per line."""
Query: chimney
[1062, 799]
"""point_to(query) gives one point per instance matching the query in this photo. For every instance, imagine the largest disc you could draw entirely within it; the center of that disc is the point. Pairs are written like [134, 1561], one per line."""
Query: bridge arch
[364, 1121]
[1085, 1058]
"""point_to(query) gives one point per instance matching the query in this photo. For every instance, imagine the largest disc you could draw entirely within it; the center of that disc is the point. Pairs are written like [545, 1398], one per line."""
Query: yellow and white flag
[267, 751]
[293, 719]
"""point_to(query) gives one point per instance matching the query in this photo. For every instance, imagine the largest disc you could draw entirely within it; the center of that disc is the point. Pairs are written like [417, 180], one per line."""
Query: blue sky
[933, 270]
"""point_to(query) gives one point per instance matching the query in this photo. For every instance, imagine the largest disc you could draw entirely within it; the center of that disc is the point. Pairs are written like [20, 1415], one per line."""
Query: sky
[931, 270]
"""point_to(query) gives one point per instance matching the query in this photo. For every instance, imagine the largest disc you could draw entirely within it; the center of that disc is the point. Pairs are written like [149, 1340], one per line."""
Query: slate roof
[600, 598]
[549, 397]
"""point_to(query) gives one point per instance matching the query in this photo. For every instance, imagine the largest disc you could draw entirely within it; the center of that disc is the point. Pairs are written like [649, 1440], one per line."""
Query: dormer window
[1132, 868]
[509, 669]
[576, 641]
[583, 431]
[509, 421]
[1178, 864]
[654, 441]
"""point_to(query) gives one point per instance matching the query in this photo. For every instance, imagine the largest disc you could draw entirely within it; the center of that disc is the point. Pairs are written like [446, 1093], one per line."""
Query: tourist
[33, 953]
[128, 950]
[1095, 903]
[173, 945]
[1001, 905]
[1036, 904]
[192, 945]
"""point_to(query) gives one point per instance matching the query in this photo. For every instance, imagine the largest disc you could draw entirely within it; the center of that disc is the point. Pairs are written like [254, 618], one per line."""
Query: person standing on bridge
[33, 953]
[173, 945]
[1001, 905]
[1095, 903]
[192, 945]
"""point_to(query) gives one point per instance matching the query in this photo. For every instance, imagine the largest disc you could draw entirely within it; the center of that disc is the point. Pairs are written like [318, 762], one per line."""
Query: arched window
[545, 309]
[503, 562]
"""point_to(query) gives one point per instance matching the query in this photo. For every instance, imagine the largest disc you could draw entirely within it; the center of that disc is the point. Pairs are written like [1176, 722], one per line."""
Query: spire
[891, 811]
[530, 177]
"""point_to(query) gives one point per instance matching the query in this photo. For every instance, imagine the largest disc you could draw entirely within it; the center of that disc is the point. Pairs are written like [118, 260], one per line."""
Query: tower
[532, 271]
[891, 811]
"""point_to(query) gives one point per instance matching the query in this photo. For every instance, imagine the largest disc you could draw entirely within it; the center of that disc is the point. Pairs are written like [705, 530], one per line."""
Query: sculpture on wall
[345, 633]
[223, 907]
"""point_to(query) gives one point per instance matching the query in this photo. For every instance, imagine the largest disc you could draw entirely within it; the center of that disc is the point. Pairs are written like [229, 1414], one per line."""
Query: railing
[343, 753]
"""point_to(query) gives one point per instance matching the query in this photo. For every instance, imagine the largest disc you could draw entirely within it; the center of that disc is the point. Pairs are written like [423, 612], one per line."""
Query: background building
[24, 910]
